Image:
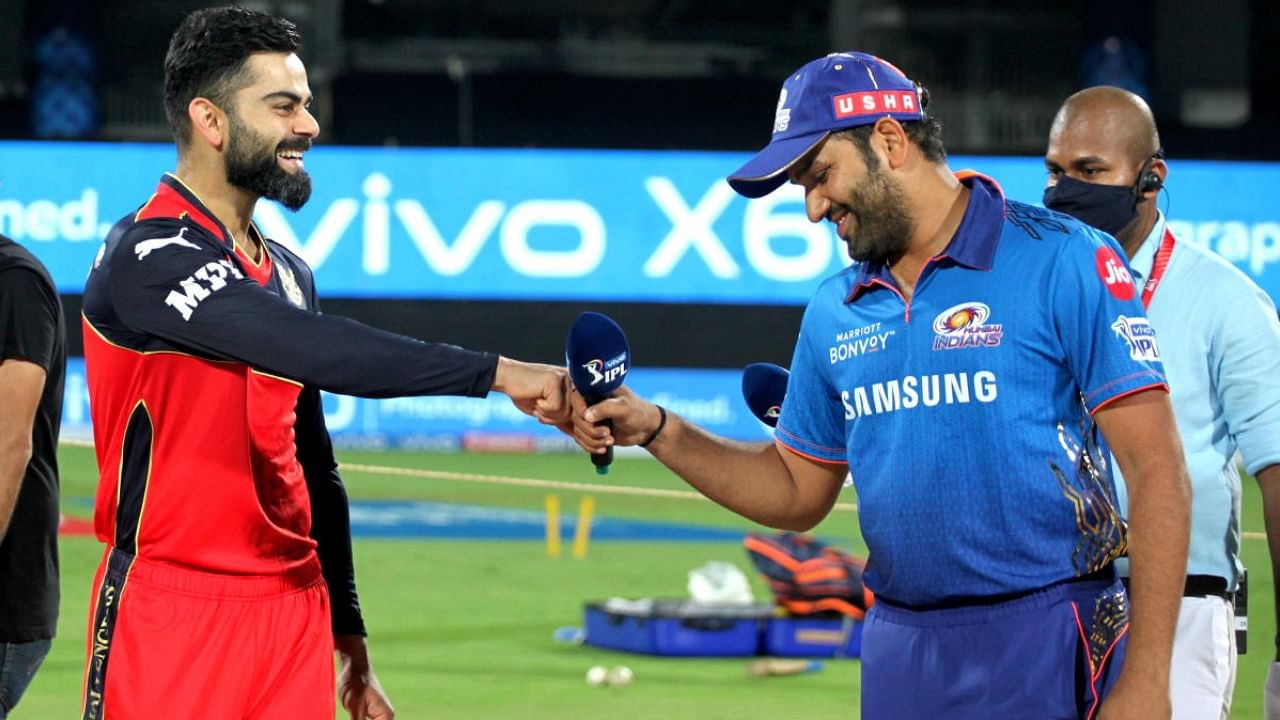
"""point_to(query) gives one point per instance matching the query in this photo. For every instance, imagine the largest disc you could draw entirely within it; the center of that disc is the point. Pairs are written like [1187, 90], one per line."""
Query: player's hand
[1131, 702]
[634, 419]
[1271, 693]
[535, 389]
[359, 691]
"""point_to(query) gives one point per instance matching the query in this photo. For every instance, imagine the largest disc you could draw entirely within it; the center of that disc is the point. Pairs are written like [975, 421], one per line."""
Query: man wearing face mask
[1220, 342]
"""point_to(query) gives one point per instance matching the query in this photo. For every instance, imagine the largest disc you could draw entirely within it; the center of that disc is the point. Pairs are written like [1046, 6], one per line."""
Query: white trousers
[1203, 674]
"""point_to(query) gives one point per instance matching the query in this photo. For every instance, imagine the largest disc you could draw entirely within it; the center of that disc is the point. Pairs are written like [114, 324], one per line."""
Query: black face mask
[1108, 208]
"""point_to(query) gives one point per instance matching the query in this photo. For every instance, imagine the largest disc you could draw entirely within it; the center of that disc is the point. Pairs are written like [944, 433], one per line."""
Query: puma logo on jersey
[145, 247]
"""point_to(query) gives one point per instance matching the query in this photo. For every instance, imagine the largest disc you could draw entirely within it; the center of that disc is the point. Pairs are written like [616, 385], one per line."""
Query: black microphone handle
[605, 459]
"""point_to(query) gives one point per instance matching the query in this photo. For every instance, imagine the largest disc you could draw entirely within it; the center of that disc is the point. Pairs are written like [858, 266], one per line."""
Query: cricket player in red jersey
[219, 499]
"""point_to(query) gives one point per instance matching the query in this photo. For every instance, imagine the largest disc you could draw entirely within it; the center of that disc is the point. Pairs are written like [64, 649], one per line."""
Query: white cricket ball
[598, 675]
[621, 676]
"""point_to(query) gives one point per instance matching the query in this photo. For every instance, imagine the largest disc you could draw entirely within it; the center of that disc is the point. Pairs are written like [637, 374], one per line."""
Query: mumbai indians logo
[774, 411]
[1137, 332]
[964, 325]
[606, 372]
[782, 117]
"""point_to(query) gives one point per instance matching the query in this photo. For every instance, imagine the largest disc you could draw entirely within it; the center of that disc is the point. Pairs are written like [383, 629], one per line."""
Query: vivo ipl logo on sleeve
[1137, 333]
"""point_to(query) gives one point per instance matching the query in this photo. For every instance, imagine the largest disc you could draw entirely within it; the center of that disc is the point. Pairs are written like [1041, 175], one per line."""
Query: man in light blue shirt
[1220, 342]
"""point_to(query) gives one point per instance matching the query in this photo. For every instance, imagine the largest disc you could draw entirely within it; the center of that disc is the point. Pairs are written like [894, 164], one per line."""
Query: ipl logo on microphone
[606, 372]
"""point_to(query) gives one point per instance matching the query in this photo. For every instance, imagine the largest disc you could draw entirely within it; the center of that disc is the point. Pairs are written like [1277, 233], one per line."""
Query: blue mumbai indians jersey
[964, 415]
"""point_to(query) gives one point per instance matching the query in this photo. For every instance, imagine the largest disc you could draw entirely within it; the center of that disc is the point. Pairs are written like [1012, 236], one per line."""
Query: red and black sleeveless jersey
[203, 375]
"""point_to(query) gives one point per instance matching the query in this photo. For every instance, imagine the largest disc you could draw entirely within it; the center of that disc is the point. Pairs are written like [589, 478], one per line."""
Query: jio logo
[1114, 274]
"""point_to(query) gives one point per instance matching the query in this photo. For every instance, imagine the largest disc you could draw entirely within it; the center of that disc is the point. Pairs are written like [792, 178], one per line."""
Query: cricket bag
[808, 576]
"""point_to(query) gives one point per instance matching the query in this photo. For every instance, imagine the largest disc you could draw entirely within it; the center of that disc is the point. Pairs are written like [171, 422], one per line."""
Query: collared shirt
[1220, 341]
[964, 415]
[204, 371]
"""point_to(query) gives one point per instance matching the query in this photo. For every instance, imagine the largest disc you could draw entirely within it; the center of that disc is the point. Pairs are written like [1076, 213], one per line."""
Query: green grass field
[462, 628]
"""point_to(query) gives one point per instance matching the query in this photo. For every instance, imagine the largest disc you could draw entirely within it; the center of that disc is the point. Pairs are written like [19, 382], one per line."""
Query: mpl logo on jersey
[964, 326]
[1137, 332]
[187, 297]
[1114, 273]
[602, 371]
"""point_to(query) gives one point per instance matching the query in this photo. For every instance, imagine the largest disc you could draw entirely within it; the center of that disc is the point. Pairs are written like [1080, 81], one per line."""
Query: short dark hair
[926, 134]
[207, 56]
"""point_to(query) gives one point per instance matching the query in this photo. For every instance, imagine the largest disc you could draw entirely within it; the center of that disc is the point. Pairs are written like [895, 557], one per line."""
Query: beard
[883, 223]
[251, 165]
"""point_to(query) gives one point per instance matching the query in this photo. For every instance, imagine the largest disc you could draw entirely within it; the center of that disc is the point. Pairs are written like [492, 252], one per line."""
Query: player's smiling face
[271, 127]
[858, 195]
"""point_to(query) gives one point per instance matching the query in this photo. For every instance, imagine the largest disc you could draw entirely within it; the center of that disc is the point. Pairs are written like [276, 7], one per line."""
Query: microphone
[598, 358]
[763, 387]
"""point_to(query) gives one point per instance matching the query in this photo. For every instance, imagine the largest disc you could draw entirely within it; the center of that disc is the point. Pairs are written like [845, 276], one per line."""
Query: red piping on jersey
[259, 271]
[136, 521]
[168, 202]
[807, 456]
[89, 324]
[966, 173]
[1096, 673]
[1093, 676]
[857, 290]
[1135, 391]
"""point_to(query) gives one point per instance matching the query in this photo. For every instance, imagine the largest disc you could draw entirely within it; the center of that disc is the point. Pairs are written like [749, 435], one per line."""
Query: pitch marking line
[507, 480]
[557, 484]
[537, 483]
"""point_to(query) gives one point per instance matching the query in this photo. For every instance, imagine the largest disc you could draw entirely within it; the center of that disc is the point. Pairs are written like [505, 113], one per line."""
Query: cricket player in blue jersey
[1220, 343]
[961, 369]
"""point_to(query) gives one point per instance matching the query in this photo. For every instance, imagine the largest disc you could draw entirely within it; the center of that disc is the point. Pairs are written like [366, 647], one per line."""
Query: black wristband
[662, 422]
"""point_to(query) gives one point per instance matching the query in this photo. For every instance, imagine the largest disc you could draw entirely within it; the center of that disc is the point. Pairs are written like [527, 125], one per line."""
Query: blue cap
[841, 90]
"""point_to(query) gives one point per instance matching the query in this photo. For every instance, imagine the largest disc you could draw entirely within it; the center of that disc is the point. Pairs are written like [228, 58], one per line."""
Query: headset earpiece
[1148, 180]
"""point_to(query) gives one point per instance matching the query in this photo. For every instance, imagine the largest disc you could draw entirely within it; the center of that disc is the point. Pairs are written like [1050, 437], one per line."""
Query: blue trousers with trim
[1051, 654]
